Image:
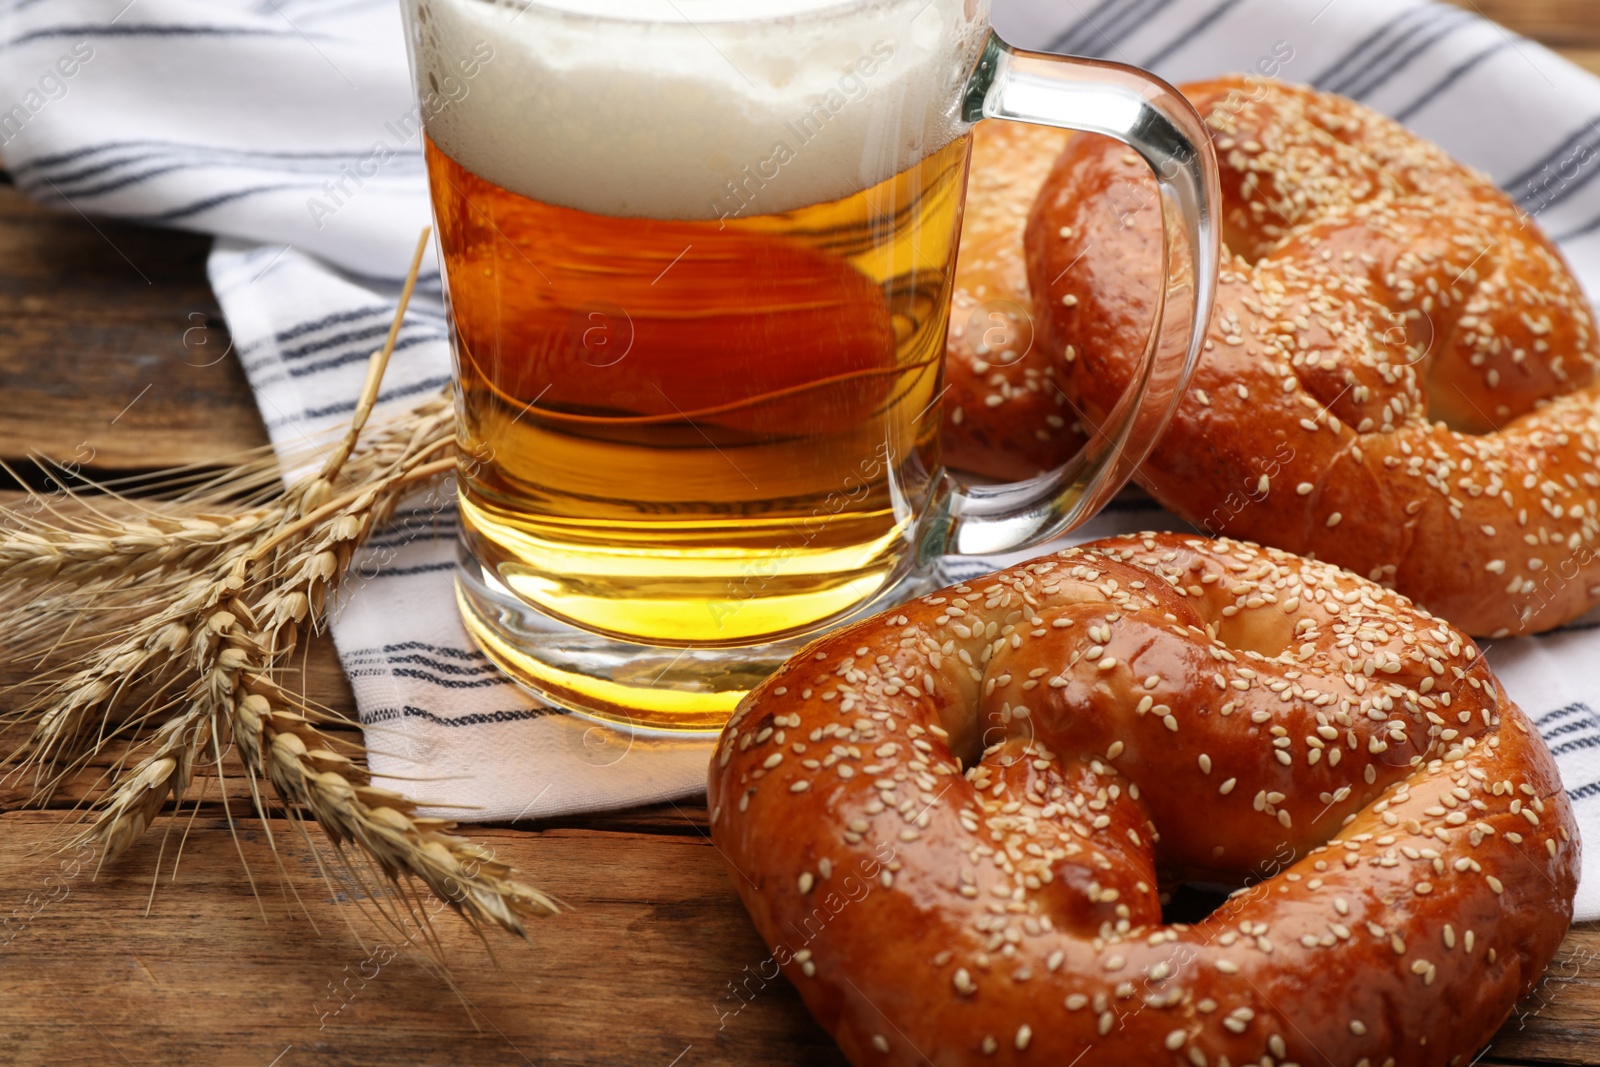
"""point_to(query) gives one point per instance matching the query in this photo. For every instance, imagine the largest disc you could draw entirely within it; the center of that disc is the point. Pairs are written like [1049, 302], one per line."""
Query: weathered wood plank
[638, 972]
[106, 330]
[1559, 1022]
[1558, 23]
[1587, 58]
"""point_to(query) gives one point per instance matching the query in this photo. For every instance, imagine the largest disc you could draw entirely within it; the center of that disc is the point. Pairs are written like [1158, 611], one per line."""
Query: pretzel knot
[1400, 371]
[955, 822]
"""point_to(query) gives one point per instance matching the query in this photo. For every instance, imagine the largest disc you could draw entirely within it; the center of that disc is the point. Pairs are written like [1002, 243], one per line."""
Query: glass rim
[825, 10]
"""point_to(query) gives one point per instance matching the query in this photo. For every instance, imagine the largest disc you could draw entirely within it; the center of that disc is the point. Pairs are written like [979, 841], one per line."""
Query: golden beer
[698, 432]
[698, 259]
[694, 432]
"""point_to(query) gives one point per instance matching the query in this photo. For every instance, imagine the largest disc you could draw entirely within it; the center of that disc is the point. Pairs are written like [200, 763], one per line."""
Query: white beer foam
[627, 107]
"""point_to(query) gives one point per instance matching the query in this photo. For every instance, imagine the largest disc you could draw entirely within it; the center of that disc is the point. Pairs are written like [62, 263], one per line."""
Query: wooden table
[105, 333]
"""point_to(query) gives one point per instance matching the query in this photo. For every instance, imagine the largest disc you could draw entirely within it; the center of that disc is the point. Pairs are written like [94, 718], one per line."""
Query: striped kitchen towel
[287, 129]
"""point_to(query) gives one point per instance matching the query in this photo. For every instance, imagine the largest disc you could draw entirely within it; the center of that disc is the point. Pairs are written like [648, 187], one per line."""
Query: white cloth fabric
[287, 129]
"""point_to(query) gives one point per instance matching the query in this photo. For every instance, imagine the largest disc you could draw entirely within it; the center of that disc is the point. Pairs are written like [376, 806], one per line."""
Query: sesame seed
[1356, 664]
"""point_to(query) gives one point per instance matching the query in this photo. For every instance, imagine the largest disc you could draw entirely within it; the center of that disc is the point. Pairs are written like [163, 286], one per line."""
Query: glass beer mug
[698, 257]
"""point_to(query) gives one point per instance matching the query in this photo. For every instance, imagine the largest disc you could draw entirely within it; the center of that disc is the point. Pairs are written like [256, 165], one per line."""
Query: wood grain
[636, 974]
[1587, 58]
[104, 341]
[1571, 28]
[1557, 23]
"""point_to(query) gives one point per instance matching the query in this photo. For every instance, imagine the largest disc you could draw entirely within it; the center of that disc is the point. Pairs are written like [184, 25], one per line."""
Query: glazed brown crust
[1004, 416]
[1395, 348]
[952, 821]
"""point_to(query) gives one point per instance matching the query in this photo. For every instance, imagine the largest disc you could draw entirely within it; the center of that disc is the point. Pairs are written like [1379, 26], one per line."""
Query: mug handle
[1153, 119]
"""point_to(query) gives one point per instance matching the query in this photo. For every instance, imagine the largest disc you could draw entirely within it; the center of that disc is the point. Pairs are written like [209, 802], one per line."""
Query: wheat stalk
[241, 586]
[87, 551]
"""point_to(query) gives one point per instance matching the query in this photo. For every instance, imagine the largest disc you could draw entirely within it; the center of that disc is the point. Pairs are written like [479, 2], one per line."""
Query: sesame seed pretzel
[954, 822]
[1003, 415]
[1398, 375]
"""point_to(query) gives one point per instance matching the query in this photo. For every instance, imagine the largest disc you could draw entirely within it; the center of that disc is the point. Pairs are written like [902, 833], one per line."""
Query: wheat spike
[238, 587]
[91, 550]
